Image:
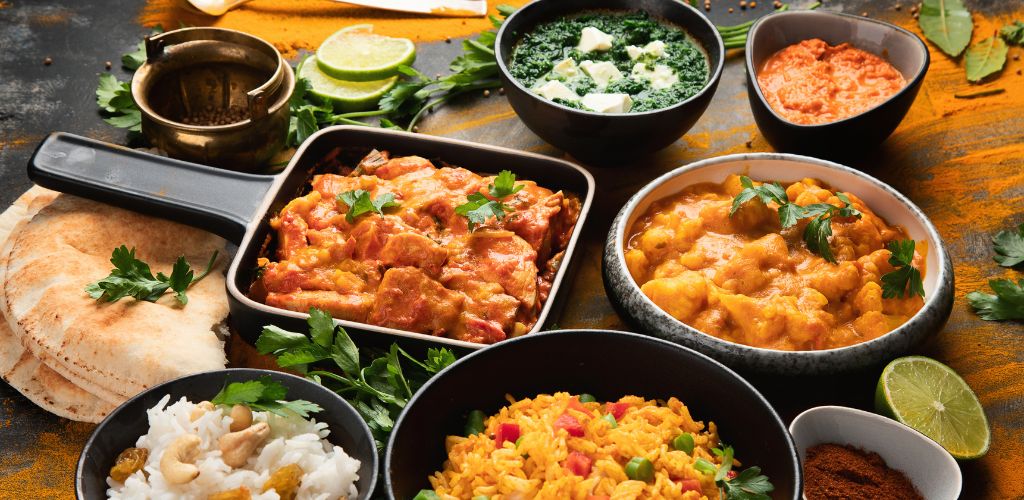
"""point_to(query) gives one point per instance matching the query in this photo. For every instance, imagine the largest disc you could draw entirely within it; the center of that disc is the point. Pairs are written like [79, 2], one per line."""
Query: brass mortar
[210, 71]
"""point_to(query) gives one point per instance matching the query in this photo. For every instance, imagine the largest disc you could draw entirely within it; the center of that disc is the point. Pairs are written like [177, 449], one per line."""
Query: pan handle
[220, 201]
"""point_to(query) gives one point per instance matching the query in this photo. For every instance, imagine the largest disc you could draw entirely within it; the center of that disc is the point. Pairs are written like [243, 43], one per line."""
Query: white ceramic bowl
[888, 203]
[929, 467]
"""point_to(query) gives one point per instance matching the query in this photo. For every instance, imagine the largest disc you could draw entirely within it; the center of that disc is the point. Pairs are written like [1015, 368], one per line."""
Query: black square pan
[238, 206]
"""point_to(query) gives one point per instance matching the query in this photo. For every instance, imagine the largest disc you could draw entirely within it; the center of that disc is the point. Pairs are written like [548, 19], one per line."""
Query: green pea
[608, 417]
[426, 495]
[519, 440]
[683, 442]
[474, 423]
[587, 398]
[640, 469]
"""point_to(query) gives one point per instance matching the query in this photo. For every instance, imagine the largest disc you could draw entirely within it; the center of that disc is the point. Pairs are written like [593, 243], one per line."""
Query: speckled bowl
[895, 208]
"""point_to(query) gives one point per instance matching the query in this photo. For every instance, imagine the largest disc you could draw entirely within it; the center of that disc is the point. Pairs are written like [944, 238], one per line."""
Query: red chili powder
[842, 472]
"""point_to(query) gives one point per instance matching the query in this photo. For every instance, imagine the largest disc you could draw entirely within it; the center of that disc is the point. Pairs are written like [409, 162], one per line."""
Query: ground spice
[842, 472]
[295, 26]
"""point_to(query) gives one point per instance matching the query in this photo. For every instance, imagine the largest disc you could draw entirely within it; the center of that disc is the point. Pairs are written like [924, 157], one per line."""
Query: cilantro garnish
[1007, 303]
[116, 103]
[133, 60]
[818, 229]
[747, 485]
[479, 208]
[378, 390]
[264, 394]
[132, 278]
[905, 279]
[1009, 247]
[1013, 33]
[359, 202]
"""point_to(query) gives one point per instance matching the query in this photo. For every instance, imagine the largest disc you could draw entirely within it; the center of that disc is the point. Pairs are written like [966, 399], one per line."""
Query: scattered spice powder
[842, 472]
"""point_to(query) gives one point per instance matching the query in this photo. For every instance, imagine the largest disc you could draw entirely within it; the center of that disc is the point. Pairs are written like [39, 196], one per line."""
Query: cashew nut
[241, 417]
[200, 410]
[178, 462]
[236, 447]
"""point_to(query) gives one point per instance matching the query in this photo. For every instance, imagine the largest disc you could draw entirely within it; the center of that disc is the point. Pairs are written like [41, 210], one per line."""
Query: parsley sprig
[479, 208]
[1006, 304]
[905, 279]
[747, 485]
[264, 394]
[378, 390]
[359, 202]
[132, 277]
[1013, 33]
[116, 104]
[818, 229]
[1009, 247]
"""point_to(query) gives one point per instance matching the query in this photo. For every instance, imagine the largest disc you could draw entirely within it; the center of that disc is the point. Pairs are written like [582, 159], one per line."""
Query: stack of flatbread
[78, 357]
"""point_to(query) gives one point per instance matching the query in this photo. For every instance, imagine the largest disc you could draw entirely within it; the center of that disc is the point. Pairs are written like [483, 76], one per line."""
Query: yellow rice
[535, 468]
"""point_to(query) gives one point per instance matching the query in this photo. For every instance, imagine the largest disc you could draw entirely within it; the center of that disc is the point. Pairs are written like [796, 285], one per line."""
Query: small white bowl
[929, 467]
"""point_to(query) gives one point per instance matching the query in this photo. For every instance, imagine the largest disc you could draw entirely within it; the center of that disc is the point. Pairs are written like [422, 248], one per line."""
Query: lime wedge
[357, 28]
[345, 96]
[360, 56]
[931, 398]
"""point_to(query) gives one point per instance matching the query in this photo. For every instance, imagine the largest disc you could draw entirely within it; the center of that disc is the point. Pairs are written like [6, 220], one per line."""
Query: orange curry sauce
[811, 82]
[744, 279]
[418, 267]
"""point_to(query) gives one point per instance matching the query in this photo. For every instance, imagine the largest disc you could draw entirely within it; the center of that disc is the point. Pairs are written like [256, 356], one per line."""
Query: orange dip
[744, 279]
[811, 82]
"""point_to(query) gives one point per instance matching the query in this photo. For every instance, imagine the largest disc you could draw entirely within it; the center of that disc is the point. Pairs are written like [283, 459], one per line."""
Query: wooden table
[961, 161]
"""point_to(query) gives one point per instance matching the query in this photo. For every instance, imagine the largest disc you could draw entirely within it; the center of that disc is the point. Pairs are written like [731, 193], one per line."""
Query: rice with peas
[329, 473]
[580, 456]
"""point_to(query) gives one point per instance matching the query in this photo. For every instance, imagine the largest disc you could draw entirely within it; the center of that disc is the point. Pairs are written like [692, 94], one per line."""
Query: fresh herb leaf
[1009, 247]
[947, 23]
[132, 278]
[1013, 33]
[479, 208]
[905, 279]
[1006, 304]
[116, 104]
[985, 58]
[359, 202]
[748, 485]
[704, 466]
[264, 394]
[133, 60]
[767, 193]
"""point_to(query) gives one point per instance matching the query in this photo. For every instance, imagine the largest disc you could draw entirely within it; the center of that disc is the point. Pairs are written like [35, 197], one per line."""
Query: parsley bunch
[747, 485]
[132, 278]
[905, 279]
[478, 207]
[378, 390]
[264, 394]
[359, 202]
[1008, 301]
[818, 229]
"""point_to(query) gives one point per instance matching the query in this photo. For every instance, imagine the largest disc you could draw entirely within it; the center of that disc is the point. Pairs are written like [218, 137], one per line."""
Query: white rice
[329, 473]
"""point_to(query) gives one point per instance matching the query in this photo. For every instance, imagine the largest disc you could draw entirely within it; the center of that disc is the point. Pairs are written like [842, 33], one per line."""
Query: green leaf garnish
[905, 280]
[132, 278]
[1013, 33]
[116, 104]
[985, 58]
[947, 23]
[359, 202]
[767, 193]
[264, 394]
[747, 485]
[1009, 247]
[1006, 304]
[133, 60]
[479, 208]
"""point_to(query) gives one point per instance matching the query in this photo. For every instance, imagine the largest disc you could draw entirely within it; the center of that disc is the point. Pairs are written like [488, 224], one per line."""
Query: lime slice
[357, 28]
[345, 96]
[931, 398]
[360, 56]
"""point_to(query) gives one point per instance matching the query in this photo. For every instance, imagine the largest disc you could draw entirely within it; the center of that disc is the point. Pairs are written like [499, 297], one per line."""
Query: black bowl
[606, 364]
[122, 428]
[600, 138]
[849, 137]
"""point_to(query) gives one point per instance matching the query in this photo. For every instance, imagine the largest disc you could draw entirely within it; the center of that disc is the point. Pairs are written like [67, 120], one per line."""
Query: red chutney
[812, 82]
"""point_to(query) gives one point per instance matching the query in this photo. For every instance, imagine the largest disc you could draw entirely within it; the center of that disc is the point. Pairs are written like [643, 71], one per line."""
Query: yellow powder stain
[46, 468]
[460, 125]
[295, 26]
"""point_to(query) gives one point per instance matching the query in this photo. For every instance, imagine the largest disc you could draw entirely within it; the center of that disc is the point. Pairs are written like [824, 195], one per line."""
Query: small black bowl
[122, 428]
[606, 364]
[601, 138]
[849, 137]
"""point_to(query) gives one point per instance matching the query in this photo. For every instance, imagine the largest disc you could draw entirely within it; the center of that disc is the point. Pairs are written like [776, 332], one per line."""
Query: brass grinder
[214, 96]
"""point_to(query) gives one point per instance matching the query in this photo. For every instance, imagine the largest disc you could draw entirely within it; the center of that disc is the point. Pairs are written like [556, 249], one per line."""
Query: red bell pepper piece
[690, 485]
[506, 432]
[617, 409]
[598, 497]
[578, 464]
[570, 424]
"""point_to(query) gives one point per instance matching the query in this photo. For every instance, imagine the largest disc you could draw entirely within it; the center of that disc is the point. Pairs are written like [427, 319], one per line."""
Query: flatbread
[119, 348]
[18, 367]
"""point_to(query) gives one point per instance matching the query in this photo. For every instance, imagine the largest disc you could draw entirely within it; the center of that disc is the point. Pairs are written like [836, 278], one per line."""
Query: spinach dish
[610, 62]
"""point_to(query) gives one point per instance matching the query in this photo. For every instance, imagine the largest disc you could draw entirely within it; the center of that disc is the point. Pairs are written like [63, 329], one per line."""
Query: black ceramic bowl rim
[255, 372]
[931, 301]
[911, 83]
[538, 337]
[713, 76]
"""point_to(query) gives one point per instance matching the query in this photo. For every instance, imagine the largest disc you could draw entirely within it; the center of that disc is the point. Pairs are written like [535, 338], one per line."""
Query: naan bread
[119, 348]
[20, 368]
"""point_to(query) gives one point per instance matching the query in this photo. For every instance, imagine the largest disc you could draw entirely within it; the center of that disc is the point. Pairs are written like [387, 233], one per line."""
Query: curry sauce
[747, 280]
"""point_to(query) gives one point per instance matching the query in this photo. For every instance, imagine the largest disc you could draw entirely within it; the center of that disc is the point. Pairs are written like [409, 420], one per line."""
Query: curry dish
[417, 266]
[746, 280]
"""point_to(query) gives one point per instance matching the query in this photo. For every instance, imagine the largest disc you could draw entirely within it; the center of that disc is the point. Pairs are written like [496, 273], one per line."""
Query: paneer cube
[602, 72]
[608, 103]
[592, 39]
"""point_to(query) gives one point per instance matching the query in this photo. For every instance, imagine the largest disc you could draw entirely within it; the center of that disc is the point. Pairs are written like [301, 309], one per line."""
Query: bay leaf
[985, 58]
[947, 23]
